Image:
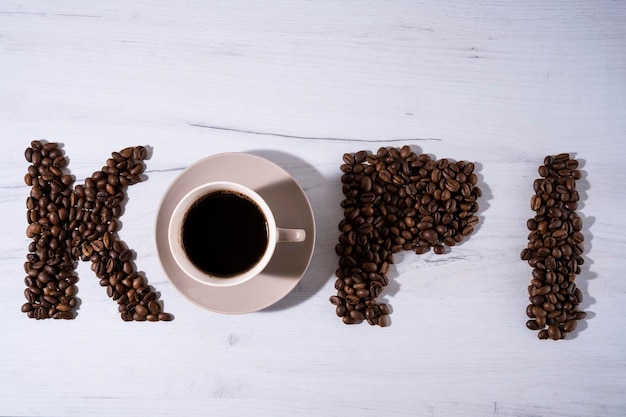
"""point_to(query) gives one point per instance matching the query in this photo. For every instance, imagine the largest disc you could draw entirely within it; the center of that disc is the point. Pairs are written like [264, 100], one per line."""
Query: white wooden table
[498, 83]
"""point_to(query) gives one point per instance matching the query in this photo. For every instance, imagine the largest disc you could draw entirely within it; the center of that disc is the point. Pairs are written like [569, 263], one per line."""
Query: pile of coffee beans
[554, 250]
[69, 223]
[396, 200]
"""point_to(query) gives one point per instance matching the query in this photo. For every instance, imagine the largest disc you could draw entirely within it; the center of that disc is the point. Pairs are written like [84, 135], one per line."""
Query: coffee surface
[224, 234]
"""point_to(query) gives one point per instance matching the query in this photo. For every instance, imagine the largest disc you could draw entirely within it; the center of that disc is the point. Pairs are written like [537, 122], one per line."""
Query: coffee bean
[452, 185]
[142, 310]
[366, 184]
[366, 228]
[553, 332]
[357, 315]
[63, 307]
[535, 203]
[165, 317]
[532, 325]
[570, 326]
[369, 267]
[154, 307]
[138, 317]
[335, 300]
[352, 299]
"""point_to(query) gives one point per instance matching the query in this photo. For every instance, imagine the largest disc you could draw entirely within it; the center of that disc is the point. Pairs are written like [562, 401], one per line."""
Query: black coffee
[224, 234]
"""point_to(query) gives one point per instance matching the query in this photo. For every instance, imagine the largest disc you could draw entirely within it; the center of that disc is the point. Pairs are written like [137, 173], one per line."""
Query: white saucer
[291, 209]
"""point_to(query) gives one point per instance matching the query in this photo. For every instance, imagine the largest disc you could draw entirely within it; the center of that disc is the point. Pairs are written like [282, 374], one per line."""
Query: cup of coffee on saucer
[234, 233]
[223, 233]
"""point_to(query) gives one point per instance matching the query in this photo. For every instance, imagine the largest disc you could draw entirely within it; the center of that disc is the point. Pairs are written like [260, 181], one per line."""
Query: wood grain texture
[498, 83]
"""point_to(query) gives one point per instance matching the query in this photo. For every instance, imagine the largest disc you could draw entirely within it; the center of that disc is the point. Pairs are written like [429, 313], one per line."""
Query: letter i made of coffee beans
[555, 249]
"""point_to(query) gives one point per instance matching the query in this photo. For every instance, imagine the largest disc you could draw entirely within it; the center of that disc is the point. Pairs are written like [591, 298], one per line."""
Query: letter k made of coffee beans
[69, 223]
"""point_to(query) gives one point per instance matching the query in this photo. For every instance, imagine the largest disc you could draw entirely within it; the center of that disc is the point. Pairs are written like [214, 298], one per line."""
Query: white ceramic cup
[275, 234]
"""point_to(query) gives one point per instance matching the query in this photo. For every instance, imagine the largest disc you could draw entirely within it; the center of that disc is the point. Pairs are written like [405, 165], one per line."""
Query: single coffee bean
[334, 300]
[138, 317]
[366, 184]
[154, 307]
[570, 326]
[357, 315]
[341, 310]
[532, 325]
[452, 185]
[553, 332]
[140, 309]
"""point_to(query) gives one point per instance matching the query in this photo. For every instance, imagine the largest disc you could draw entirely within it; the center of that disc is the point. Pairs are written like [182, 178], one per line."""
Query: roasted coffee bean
[553, 249]
[165, 317]
[396, 200]
[357, 315]
[142, 310]
[335, 300]
[70, 223]
[532, 325]
[154, 307]
[553, 332]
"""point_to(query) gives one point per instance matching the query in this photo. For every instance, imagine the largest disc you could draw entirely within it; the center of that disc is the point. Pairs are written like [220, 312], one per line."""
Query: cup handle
[291, 235]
